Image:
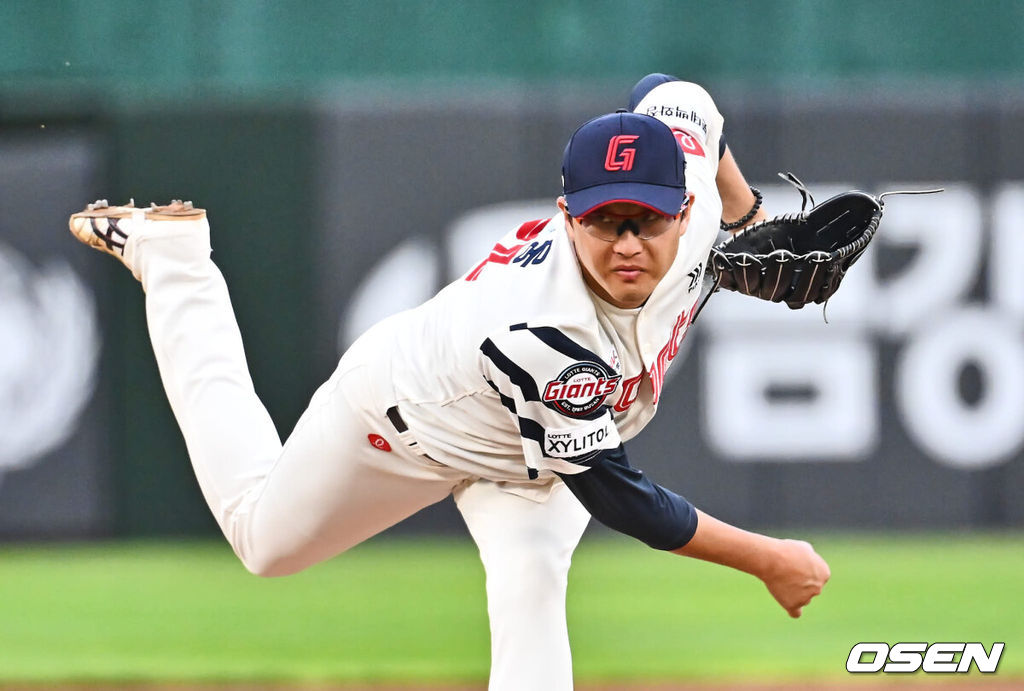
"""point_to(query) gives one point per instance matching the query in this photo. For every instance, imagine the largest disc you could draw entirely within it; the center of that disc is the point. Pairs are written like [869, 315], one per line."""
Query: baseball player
[514, 388]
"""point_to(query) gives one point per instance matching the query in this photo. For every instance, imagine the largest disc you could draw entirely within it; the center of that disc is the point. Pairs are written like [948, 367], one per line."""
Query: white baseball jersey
[518, 360]
[512, 372]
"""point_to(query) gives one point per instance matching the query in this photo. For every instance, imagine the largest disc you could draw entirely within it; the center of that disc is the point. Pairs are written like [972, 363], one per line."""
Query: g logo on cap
[620, 159]
[624, 157]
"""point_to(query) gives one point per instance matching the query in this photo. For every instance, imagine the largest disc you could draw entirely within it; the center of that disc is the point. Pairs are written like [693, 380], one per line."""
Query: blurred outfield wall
[187, 44]
[351, 155]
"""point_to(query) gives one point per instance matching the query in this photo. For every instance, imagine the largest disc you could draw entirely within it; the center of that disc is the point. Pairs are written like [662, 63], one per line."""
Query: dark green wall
[252, 168]
[193, 45]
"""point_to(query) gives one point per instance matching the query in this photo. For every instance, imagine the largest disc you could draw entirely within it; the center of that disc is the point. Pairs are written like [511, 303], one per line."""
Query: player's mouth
[628, 272]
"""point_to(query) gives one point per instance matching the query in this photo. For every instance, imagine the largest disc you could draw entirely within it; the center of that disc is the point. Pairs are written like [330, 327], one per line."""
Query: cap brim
[660, 198]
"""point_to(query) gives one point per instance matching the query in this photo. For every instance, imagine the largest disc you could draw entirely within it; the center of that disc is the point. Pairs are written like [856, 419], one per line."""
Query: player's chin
[631, 293]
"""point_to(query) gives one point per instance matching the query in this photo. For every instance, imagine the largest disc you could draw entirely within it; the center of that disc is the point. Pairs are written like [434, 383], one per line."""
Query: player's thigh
[514, 523]
[343, 475]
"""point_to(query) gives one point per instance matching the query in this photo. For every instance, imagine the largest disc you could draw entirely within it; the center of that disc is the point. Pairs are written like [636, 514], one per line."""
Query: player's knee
[268, 568]
[270, 563]
[270, 548]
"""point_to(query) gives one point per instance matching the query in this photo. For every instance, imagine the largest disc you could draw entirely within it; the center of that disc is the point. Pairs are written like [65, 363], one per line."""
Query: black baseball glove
[802, 257]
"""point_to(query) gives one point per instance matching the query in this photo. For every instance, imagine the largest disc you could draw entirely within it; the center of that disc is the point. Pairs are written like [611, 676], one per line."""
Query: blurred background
[356, 156]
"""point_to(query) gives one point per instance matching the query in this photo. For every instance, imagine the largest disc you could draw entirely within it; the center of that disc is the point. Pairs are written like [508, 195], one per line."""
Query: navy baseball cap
[623, 157]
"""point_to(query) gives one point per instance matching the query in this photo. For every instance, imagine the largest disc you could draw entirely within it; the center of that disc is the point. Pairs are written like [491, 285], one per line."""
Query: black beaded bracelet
[750, 214]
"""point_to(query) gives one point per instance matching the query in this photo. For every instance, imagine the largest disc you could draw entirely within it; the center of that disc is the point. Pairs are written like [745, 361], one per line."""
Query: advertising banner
[898, 404]
[55, 459]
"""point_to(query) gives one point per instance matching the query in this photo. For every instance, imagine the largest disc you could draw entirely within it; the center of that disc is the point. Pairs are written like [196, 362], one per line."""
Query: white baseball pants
[327, 488]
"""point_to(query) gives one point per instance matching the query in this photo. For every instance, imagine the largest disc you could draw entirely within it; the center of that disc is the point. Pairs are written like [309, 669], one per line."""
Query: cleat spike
[108, 228]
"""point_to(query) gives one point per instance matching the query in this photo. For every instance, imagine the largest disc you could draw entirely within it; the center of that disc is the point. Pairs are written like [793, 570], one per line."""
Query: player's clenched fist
[792, 570]
[795, 575]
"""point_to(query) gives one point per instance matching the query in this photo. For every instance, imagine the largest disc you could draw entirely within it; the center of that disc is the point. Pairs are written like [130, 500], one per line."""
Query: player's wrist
[727, 545]
[773, 561]
[747, 218]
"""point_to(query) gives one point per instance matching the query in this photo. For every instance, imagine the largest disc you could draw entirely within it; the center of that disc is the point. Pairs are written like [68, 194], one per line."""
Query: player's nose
[628, 244]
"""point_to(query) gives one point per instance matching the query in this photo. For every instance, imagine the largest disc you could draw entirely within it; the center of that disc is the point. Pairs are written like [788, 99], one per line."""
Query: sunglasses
[610, 227]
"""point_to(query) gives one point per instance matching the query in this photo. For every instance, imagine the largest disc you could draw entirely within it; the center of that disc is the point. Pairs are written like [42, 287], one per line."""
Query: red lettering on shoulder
[531, 229]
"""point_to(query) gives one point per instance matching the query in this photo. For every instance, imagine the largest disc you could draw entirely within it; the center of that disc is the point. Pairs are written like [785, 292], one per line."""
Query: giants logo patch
[580, 389]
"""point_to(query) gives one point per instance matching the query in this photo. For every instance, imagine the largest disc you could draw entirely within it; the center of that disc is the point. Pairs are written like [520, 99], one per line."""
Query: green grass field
[403, 610]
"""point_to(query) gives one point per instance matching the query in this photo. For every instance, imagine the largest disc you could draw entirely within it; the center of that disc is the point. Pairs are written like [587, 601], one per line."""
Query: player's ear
[690, 197]
[564, 207]
[686, 213]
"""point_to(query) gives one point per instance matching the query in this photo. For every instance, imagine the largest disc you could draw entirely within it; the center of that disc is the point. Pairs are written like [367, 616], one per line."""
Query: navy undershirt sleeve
[721, 146]
[624, 499]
